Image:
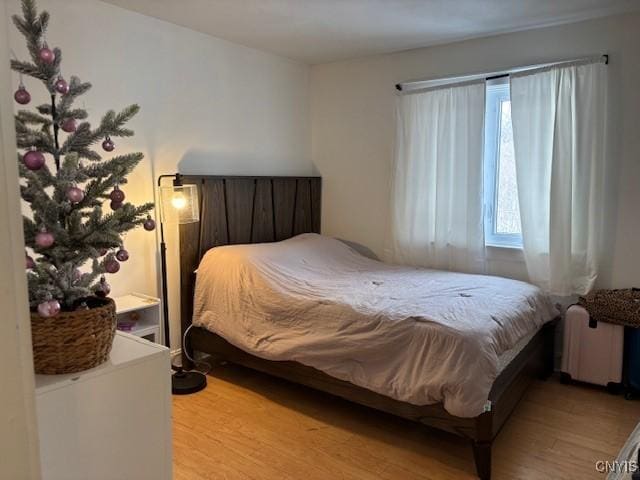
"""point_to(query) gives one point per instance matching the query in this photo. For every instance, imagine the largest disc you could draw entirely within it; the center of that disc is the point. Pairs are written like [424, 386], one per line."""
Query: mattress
[416, 335]
[507, 357]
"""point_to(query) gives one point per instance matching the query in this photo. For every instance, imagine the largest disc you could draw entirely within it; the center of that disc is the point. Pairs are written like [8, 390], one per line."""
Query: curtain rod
[492, 75]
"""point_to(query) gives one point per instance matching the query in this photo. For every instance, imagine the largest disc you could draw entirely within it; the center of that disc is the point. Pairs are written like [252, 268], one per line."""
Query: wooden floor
[247, 425]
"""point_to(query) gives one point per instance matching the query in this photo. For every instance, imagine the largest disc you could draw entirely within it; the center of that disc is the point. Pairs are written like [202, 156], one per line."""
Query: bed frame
[238, 210]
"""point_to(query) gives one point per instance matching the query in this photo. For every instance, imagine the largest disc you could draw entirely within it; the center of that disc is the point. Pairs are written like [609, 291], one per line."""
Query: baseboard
[174, 354]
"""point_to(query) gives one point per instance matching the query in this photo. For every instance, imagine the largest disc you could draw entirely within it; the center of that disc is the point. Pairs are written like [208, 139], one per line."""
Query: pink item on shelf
[126, 326]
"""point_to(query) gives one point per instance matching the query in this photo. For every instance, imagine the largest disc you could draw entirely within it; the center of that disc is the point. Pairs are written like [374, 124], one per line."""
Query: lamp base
[184, 383]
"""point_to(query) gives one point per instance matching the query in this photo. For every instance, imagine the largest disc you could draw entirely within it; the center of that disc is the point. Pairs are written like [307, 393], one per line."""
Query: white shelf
[142, 330]
[134, 301]
[146, 311]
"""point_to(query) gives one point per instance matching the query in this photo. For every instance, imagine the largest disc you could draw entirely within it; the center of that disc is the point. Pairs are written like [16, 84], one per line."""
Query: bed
[271, 307]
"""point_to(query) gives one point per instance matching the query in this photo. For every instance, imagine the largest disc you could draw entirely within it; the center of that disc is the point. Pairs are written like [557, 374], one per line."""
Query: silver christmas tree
[67, 183]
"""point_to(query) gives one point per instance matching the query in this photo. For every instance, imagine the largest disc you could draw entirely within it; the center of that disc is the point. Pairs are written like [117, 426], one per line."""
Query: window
[502, 211]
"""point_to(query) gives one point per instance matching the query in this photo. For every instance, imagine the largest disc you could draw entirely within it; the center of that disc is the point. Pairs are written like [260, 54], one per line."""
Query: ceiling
[319, 31]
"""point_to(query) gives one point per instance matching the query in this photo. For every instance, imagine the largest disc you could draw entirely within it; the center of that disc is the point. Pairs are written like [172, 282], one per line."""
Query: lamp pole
[182, 382]
[163, 267]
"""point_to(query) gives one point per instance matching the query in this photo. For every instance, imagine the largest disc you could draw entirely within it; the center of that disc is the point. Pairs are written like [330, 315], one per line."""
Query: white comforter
[416, 335]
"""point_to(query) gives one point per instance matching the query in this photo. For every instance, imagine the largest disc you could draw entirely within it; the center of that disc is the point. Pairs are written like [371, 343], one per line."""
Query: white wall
[207, 106]
[18, 434]
[353, 127]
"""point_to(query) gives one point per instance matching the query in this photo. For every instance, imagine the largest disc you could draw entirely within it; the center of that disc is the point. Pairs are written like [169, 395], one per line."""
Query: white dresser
[112, 422]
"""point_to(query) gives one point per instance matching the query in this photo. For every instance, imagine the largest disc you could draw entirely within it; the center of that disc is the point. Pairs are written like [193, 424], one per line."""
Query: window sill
[499, 246]
[504, 253]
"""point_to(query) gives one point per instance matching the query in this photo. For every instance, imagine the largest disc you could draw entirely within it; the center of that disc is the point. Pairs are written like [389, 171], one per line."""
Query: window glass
[502, 211]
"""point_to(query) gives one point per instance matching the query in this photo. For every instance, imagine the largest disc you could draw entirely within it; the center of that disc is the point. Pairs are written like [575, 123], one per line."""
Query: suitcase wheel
[614, 388]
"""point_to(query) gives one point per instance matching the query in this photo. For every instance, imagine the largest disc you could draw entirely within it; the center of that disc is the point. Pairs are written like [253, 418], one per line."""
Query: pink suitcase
[592, 352]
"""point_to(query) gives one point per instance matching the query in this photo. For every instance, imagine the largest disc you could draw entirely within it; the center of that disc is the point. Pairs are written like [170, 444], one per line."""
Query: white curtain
[558, 119]
[436, 204]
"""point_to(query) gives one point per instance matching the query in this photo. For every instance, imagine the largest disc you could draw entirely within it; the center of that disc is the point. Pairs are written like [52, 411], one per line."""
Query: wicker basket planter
[74, 341]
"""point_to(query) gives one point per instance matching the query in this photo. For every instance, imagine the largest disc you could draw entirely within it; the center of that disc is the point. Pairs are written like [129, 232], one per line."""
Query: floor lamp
[178, 205]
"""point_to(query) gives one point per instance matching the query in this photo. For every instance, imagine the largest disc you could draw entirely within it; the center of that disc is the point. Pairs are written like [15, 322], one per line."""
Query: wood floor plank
[246, 425]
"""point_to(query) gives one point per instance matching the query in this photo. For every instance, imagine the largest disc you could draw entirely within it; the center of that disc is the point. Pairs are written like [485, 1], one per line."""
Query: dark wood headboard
[237, 210]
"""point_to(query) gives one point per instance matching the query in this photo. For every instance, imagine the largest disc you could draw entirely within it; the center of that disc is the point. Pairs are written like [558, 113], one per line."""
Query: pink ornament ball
[117, 195]
[122, 255]
[22, 96]
[49, 309]
[31, 264]
[61, 86]
[44, 239]
[46, 55]
[108, 145]
[33, 160]
[69, 125]
[115, 205]
[103, 288]
[149, 224]
[75, 195]
[111, 265]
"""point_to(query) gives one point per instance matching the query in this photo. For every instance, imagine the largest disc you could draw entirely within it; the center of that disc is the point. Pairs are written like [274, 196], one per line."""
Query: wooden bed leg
[482, 457]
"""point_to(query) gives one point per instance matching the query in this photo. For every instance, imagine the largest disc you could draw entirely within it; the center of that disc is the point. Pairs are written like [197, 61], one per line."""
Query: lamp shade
[179, 204]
